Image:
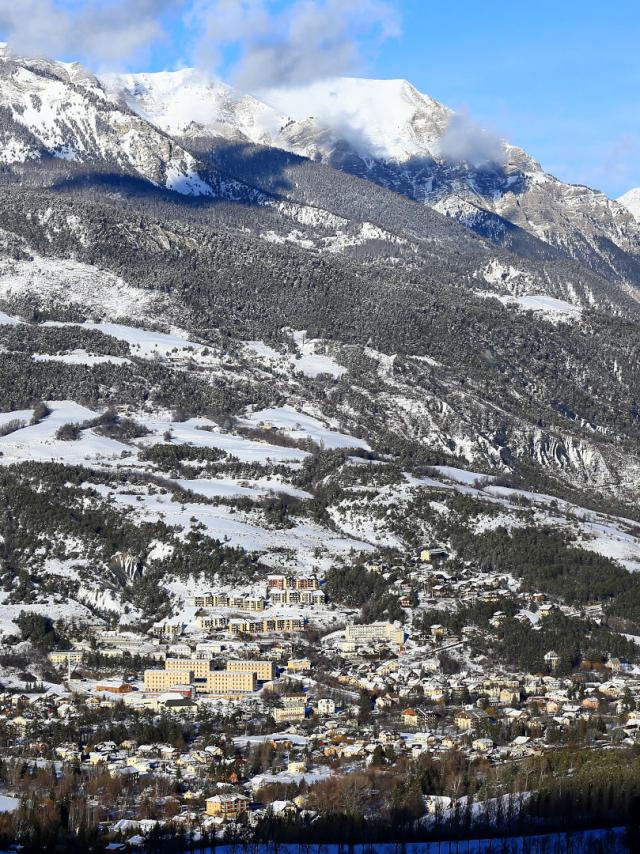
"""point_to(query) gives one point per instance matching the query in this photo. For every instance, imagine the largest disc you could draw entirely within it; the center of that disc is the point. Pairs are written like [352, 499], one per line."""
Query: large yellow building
[227, 806]
[265, 670]
[298, 665]
[262, 626]
[159, 681]
[198, 672]
[290, 713]
[66, 657]
[226, 683]
[223, 600]
[200, 667]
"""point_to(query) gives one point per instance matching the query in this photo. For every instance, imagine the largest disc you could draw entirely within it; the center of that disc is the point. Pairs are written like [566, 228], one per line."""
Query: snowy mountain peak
[188, 102]
[388, 119]
[631, 201]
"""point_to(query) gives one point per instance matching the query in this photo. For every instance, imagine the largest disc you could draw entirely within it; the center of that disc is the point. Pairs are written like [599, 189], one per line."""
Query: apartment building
[225, 600]
[212, 623]
[289, 596]
[222, 683]
[66, 657]
[298, 665]
[375, 632]
[228, 807]
[240, 626]
[227, 683]
[168, 629]
[290, 713]
[292, 582]
[160, 681]
[198, 666]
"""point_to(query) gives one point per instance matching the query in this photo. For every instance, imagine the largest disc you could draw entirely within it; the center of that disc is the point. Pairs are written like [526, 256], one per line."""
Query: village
[254, 703]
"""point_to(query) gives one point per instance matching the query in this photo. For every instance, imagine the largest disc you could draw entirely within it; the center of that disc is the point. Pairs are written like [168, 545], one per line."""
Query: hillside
[270, 357]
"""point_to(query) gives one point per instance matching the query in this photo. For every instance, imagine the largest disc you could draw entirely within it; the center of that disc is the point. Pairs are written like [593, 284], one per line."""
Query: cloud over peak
[464, 141]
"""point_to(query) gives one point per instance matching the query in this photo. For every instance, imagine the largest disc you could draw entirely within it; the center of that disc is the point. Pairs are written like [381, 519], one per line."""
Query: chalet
[326, 706]
[482, 745]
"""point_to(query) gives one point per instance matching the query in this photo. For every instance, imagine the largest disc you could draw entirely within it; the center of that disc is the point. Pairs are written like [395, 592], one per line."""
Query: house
[114, 688]
[66, 658]
[482, 745]
[437, 803]
[227, 807]
[469, 719]
[410, 717]
[375, 631]
[498, 619]
[433, 554]
[290, 713]
[552, 660]
[299, 665]
[326, 706]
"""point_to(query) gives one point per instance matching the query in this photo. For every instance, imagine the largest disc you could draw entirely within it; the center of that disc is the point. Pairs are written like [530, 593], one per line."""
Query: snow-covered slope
[59, 110]
[631, 201]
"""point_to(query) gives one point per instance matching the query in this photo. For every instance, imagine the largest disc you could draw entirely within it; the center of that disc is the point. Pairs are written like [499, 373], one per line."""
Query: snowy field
[38, 441]
[300, 426]
[53, 280]
[80, 357]
[144, 342]
[312, 362]
[226, 488]
[549, 306]
[204, 433]
[308, 543]
[7, 320]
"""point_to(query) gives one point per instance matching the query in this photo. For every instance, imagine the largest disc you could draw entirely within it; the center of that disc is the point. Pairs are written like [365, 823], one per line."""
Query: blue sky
[561, 79]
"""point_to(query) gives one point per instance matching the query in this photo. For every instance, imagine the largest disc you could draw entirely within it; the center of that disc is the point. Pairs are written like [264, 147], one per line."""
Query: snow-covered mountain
[309, 247]
[388, 120]
[631, 201]
[162, 128]
[390, 133]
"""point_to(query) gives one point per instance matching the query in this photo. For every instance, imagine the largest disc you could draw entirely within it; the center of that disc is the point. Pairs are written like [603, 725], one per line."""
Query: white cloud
[464, 141]
[103, 32]
[307, 40]
[270, 43]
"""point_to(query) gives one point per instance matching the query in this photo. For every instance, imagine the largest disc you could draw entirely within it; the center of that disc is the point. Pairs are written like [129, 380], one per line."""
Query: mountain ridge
[389, 133]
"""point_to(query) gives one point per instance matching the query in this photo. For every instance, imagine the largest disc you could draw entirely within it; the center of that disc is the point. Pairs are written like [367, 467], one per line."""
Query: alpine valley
[313, 332]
